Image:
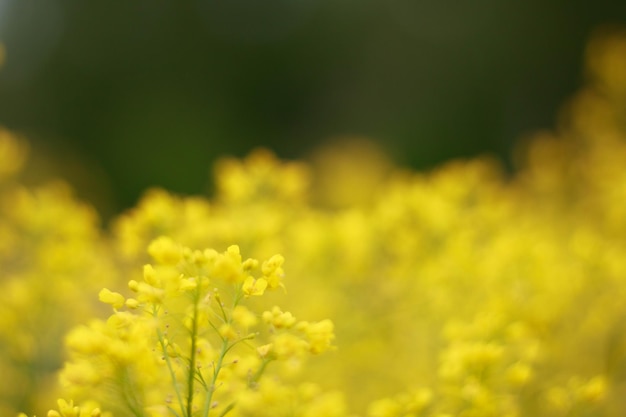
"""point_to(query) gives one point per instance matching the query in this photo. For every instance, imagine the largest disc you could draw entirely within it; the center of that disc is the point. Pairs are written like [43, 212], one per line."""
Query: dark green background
[128, 94]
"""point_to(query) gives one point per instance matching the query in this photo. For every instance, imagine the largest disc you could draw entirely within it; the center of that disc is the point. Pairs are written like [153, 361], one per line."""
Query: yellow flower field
[341, 286]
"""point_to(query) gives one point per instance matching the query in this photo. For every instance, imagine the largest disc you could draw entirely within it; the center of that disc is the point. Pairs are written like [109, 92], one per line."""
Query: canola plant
[339, 287]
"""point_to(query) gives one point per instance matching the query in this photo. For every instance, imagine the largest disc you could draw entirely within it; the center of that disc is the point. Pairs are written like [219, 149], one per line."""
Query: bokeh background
[118, 96]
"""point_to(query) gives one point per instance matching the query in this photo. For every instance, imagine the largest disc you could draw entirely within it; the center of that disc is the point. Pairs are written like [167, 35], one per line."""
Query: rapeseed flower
[464, 291]
[188, 345]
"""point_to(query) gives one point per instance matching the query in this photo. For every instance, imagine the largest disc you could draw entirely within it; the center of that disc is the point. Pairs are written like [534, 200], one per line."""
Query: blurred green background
[122, 95]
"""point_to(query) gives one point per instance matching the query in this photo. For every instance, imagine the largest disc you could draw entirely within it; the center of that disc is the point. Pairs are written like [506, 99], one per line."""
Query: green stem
[224, 316]
[192, 358]
[127, 392]
[216, 371]
[259, 372]
[169, 365]
[227, 409]
[226, 346]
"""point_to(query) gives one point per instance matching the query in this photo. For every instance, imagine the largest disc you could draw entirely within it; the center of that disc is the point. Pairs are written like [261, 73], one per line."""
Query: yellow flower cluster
[465, 291]
[52, 257]
[186, 343]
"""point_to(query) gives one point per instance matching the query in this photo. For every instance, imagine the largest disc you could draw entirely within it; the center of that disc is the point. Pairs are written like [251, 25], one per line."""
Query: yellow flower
[228, 265]
[288, 346]
[68, 409]
[252, 286]
[319, 335]
[264, 350]
[115, 299]
[165, 251]
[278, 318]
[80, 374]
[85, 340]
[243, 316]
[273, 271]
[227, 331]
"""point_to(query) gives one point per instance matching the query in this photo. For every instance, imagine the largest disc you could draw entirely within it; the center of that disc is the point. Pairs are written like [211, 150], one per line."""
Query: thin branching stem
[216, 371]
[227, 409]
[127, 393]
[170, 368]
[260, 371]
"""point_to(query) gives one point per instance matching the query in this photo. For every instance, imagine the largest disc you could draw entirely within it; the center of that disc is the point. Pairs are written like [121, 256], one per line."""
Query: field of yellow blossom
[343, 286]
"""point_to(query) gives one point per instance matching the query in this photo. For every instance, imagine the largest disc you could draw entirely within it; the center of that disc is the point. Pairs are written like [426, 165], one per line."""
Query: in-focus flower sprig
[187, 343]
